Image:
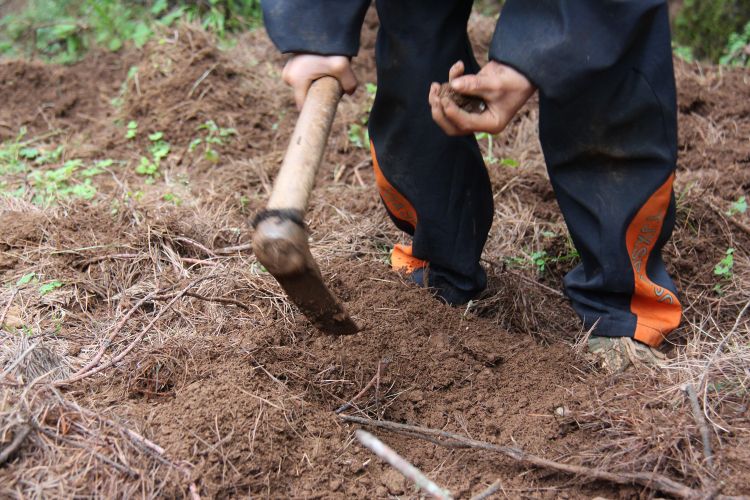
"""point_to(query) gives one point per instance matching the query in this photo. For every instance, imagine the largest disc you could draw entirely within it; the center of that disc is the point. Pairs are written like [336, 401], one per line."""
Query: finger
[477, 85]
[472, 122]
[348, 81]
[442, 121]
[456, 70]
[432, 95]
[300, 93]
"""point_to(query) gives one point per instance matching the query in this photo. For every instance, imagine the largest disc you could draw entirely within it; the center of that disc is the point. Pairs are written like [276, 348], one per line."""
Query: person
[607, 126]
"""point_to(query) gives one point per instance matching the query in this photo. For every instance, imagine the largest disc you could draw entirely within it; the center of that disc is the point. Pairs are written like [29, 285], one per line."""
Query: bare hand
[303, 69]
[503, 89]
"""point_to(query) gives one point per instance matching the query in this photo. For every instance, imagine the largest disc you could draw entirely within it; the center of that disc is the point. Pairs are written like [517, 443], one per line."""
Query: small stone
[334, 484]
[393, 481]
[562, 411]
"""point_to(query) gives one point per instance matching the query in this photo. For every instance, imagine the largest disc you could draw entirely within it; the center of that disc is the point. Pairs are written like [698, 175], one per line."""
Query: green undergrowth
[63, 30]
[42, 173]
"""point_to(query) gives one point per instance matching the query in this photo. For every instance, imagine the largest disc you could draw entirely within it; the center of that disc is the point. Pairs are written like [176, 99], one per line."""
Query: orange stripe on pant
[401, 256]
[396, 203]
[657, 309]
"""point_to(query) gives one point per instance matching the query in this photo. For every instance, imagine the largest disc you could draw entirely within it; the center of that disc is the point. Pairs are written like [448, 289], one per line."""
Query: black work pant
[610, 152]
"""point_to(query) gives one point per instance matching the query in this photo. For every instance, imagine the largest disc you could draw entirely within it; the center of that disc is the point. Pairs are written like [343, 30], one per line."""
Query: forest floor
[146, 352]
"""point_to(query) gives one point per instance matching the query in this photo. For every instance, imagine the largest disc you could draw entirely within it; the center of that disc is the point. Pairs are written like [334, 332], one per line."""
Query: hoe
[281, 242]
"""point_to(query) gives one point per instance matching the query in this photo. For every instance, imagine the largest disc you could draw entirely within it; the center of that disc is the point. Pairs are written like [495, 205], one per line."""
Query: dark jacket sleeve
[325, 27]
[560, 44]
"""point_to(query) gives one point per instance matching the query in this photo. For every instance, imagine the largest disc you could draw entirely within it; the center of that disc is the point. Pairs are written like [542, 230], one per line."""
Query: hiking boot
[617, 354]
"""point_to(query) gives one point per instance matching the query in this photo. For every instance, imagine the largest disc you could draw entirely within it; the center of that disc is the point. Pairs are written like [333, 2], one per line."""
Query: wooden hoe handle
[281, 241]
[291, 190]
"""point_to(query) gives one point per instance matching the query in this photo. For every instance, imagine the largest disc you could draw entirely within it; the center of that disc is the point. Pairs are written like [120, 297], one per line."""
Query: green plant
[172, 198]
[60, 183]
[724, 269]
[738, 207]
[705, 26]
[62, 30]
[737, 50]
[149, 166]
[132, 131]
[213, 136]
[49, 287]
[358, 135]
[26, 279]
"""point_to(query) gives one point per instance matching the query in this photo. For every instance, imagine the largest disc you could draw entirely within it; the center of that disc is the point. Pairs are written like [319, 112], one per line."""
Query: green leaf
[738, 207]
[156, 136]
[141, 34]
[211, 155]
[132, 129]
[194, 144]
[49, 287]
[509, 162]
[159, 6]
[114, 44]
[29, 153]
[104, 163]
[25, 279]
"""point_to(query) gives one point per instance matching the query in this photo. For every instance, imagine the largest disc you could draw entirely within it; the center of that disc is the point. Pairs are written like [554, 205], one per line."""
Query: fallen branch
[701, 421]
[18, 438]
[400, 464]
[652, 480]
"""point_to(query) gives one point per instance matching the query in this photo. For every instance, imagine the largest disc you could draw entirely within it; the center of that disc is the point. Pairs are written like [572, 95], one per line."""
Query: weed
[358, 135]
[132, 131]
[26, 279]
[724, 269]
[172, 198]
[149, 166]
[738, 207]
[213, 136]
[61, 183]
[49, 287]
[736, 52]
[63, 30]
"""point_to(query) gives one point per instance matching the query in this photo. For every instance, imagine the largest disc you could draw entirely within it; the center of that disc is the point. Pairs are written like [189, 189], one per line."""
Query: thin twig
[382, 365]
[701, 421]
[20, 358]
[400, 464]
[491, 490]
[657, 482]
[81, 375]
[18, 439]
[7, 307]
[235, 249]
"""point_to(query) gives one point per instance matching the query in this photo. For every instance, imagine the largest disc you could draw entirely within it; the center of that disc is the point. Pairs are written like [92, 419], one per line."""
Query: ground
[149, 353]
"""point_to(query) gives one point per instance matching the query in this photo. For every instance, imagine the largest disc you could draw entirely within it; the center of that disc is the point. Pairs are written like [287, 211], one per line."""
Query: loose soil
[244, 396]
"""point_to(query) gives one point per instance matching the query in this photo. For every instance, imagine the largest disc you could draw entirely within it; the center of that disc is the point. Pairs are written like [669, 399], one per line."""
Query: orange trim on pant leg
[403, 260]
[396, 203]
[657, 309]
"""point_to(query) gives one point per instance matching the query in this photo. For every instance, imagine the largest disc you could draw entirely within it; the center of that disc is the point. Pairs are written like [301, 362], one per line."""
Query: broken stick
[652, 480]
[400, 464]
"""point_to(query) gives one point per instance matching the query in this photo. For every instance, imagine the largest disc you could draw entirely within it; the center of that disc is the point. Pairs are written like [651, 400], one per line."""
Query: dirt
[468, 103]
[246, 393]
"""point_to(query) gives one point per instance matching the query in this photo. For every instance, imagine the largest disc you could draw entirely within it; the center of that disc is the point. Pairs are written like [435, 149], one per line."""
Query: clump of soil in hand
[468, 103]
